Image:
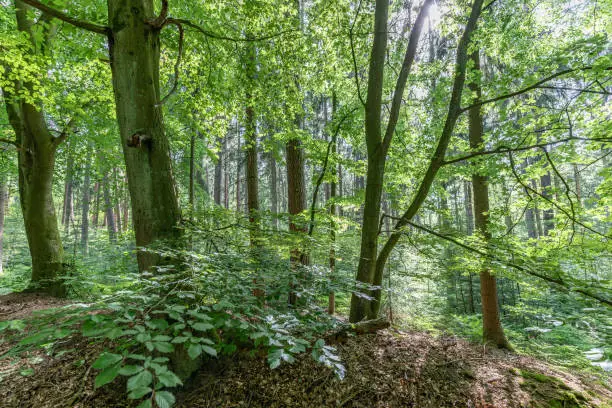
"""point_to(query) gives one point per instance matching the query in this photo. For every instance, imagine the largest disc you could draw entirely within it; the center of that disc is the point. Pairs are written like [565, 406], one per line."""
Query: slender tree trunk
[491, 325]
[273, 189]
[547, 214]
[85, 209]
[108, 210]
[250, 141]
[134, 48]
[68, 210]
[219, 172]
[192, 171]
[96, 214]
[331, 308]
[3, 207]
[238, 173]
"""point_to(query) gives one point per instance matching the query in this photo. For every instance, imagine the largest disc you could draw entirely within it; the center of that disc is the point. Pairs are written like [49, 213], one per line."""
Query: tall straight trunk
[491, 326]
[577, 184]
[134, 48]
[68, 210]
[85, 209]
[238, 173]
[96, 214]
[469, 224]
[273, 188]
[36, 162]
[108, 211]
[547, 214]
[218, 172]
[117, 209]
[250, 140]
[3, 207]
[331, 308]
[536, 212]
[296, 200]
[192, 171]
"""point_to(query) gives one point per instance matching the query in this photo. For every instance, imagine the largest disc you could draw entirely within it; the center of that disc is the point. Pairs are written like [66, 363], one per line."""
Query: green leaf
[128, 370]
[139, 392]
[164, 399]
[210, 350]
[169, 379]
[142, 379]
[202, 326]
[145, 404]
[26, 372]
[107, 375]
[164, 347]
[179, 339]
[106, 360]
[194, 351]
[160, 324]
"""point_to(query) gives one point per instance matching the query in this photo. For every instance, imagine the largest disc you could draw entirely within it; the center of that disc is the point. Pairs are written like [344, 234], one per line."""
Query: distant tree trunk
[68, 210]
[192, 171]
[491, 325]
[331, 308]
[219, 172]
[469, 224]
[108, 210]
[3, 207]
[536, 211]
[296, 200]
[273, 189]
[578, 184]
[238, 173]
[548, 214]
[95, 217]
[85, 209]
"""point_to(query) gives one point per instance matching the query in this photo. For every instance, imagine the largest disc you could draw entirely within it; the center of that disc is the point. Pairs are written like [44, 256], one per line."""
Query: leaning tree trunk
[491, 326]
[134, 48]
[36, 162]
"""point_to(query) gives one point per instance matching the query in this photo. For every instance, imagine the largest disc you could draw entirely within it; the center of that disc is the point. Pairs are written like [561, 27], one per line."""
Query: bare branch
[526, 89]
[86, 25]
[178, 60]
[353, 54]
[505, 149]
[222, 37]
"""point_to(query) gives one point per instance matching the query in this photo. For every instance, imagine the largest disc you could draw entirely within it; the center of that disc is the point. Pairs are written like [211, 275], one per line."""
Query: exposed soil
[388, 369]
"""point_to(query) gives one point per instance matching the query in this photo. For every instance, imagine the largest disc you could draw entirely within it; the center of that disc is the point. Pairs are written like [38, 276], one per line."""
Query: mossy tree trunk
[134, 48]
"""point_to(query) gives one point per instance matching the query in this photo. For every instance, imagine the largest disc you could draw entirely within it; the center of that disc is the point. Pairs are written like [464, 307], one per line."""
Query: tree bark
[134, 48]
[108, 211]
[36, 163]
[85, 209]
[68, 209]
[219, 172]
[3, 207]
[491, 326]
[250, 141]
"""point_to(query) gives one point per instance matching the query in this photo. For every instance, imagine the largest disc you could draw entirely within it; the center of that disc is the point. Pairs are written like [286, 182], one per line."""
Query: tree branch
[415, 34]
[557, 281]
[222, 37]
[353, 54]
[526, 89]
[505, 149]
[177, 65]
[86, 25]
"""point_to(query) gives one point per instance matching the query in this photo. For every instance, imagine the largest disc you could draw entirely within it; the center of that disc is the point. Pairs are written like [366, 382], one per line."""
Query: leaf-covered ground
[389, 369]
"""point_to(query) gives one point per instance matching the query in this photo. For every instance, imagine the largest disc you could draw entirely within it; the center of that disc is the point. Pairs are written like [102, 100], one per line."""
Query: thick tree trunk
[134, 48]
[251, 147]
[491, 326]
[85, 209]
[36, 162]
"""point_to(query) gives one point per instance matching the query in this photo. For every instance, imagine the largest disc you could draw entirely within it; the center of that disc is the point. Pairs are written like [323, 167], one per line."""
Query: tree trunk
[68, 210]
[96, 214]
[491, 326]
[250, 141]
[548, 214]
[273, 189]
[219, 172]
[192, 171]
[3, 207]
[134, 49]
[108, 211]
[85, 209]
[36, 162]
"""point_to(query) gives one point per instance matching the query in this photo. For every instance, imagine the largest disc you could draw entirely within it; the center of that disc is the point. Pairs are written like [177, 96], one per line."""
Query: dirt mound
[388, 369]
[398, 369]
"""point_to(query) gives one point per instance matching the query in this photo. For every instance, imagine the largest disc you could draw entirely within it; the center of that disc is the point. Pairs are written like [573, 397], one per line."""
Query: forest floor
[392, 368]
